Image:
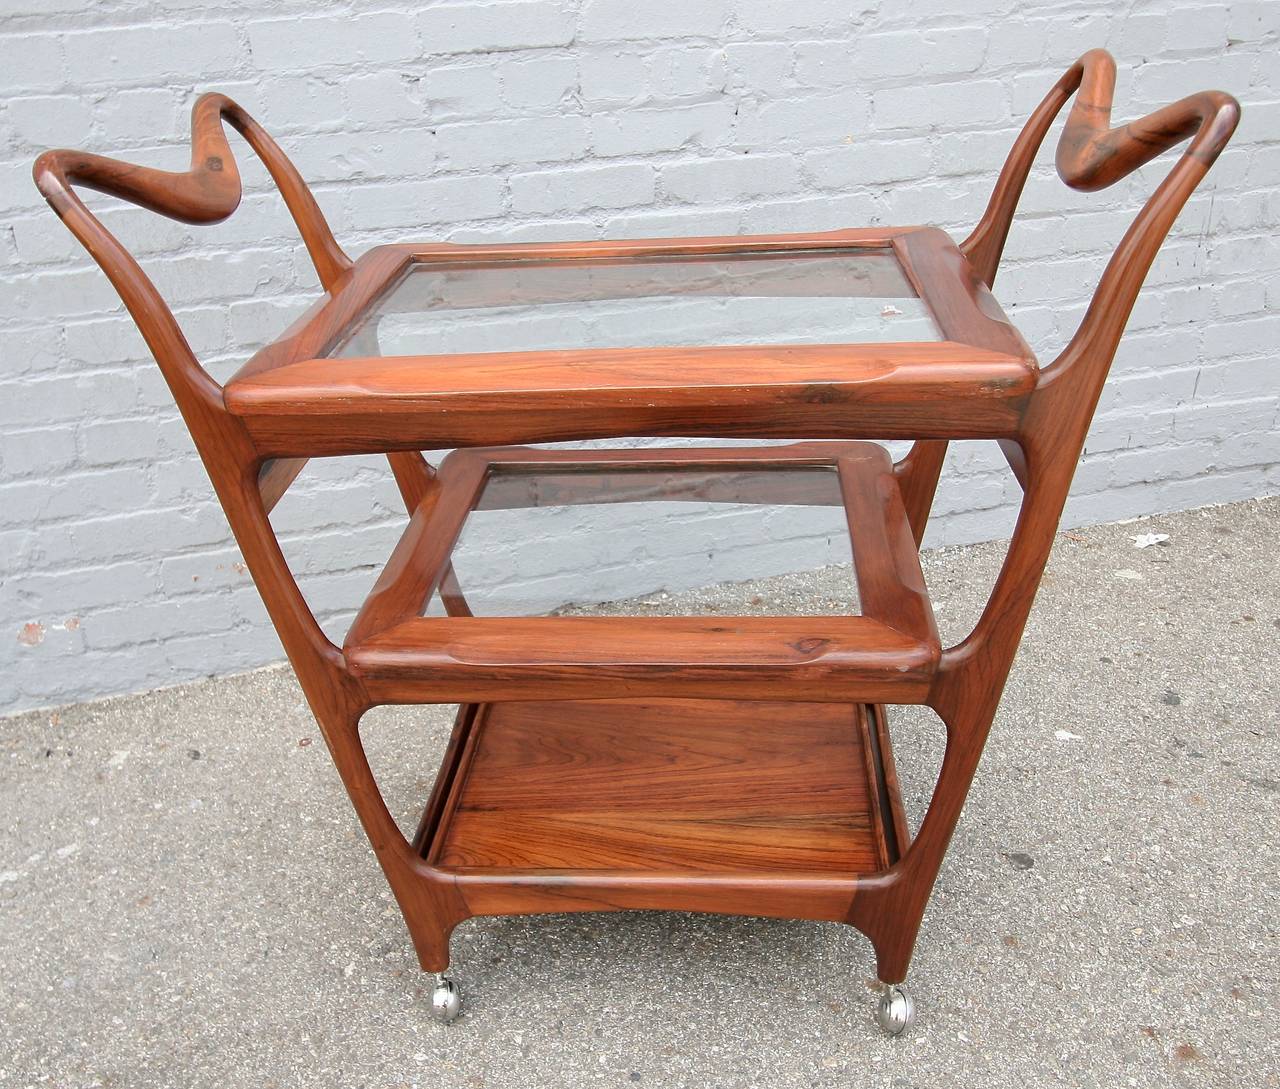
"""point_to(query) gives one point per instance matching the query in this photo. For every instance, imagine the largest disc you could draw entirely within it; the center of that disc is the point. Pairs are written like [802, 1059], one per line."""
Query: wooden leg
[414, 477]
[890, 911]
[918, 476]
[965, 695]
[430, 908]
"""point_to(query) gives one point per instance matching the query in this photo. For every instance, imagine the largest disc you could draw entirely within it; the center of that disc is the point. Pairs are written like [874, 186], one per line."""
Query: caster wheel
[896, 1010]
[446, 1000]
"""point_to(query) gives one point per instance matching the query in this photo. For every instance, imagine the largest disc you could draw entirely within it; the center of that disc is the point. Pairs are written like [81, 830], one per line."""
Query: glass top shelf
[802, 297]
[652, 537]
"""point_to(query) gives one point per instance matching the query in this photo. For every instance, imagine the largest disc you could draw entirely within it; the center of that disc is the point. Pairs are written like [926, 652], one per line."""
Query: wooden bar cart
[736, 764]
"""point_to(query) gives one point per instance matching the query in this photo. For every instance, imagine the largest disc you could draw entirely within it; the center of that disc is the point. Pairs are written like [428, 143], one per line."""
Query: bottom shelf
[661, 786]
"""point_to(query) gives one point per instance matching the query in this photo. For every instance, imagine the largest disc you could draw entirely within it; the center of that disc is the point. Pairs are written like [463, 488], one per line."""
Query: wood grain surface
[702, 786]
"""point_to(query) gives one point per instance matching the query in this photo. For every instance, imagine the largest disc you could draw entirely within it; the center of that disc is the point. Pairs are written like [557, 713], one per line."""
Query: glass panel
[831, 297]
[562, 541]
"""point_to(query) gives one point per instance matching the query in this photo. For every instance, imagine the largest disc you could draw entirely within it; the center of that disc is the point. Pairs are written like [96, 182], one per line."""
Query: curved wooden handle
[1092, 155]
[206, 193]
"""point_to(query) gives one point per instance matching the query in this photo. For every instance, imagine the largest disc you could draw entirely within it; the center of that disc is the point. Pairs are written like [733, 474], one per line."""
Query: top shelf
[830, 288]
[549, 304]
[887, 333]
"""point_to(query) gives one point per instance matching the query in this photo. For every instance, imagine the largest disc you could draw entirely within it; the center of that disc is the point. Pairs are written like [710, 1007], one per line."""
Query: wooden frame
[974, 382]
[402, 656]
[982, 382]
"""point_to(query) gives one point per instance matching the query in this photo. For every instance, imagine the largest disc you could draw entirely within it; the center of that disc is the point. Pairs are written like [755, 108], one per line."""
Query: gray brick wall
[537, 119]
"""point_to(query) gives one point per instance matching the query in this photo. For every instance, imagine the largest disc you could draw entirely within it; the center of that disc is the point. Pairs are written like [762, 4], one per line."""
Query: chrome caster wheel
[446, 999]
[896, 1010]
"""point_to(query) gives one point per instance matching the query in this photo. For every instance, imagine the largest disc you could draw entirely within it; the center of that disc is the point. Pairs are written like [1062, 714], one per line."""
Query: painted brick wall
[536, 119]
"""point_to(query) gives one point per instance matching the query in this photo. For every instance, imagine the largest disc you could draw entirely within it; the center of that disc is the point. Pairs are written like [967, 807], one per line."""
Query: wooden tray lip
[456, 768]
[967, 315]
[464, 474]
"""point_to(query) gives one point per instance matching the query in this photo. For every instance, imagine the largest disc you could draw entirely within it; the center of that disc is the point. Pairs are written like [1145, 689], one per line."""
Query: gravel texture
[186, 899]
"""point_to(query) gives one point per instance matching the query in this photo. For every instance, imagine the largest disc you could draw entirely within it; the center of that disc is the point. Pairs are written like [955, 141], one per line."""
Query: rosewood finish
[705, 787]
[735, 765]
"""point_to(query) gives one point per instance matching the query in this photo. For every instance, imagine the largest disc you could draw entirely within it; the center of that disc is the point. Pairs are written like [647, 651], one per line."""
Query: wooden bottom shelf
[706, 787]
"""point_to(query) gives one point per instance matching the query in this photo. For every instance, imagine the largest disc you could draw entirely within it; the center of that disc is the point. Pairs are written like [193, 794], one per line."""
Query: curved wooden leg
[918, 476]
[430, 907]
[965, 694]
[890, 910]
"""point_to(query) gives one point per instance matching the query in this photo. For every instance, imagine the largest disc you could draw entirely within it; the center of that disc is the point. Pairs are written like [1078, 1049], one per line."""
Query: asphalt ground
[186, 899]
